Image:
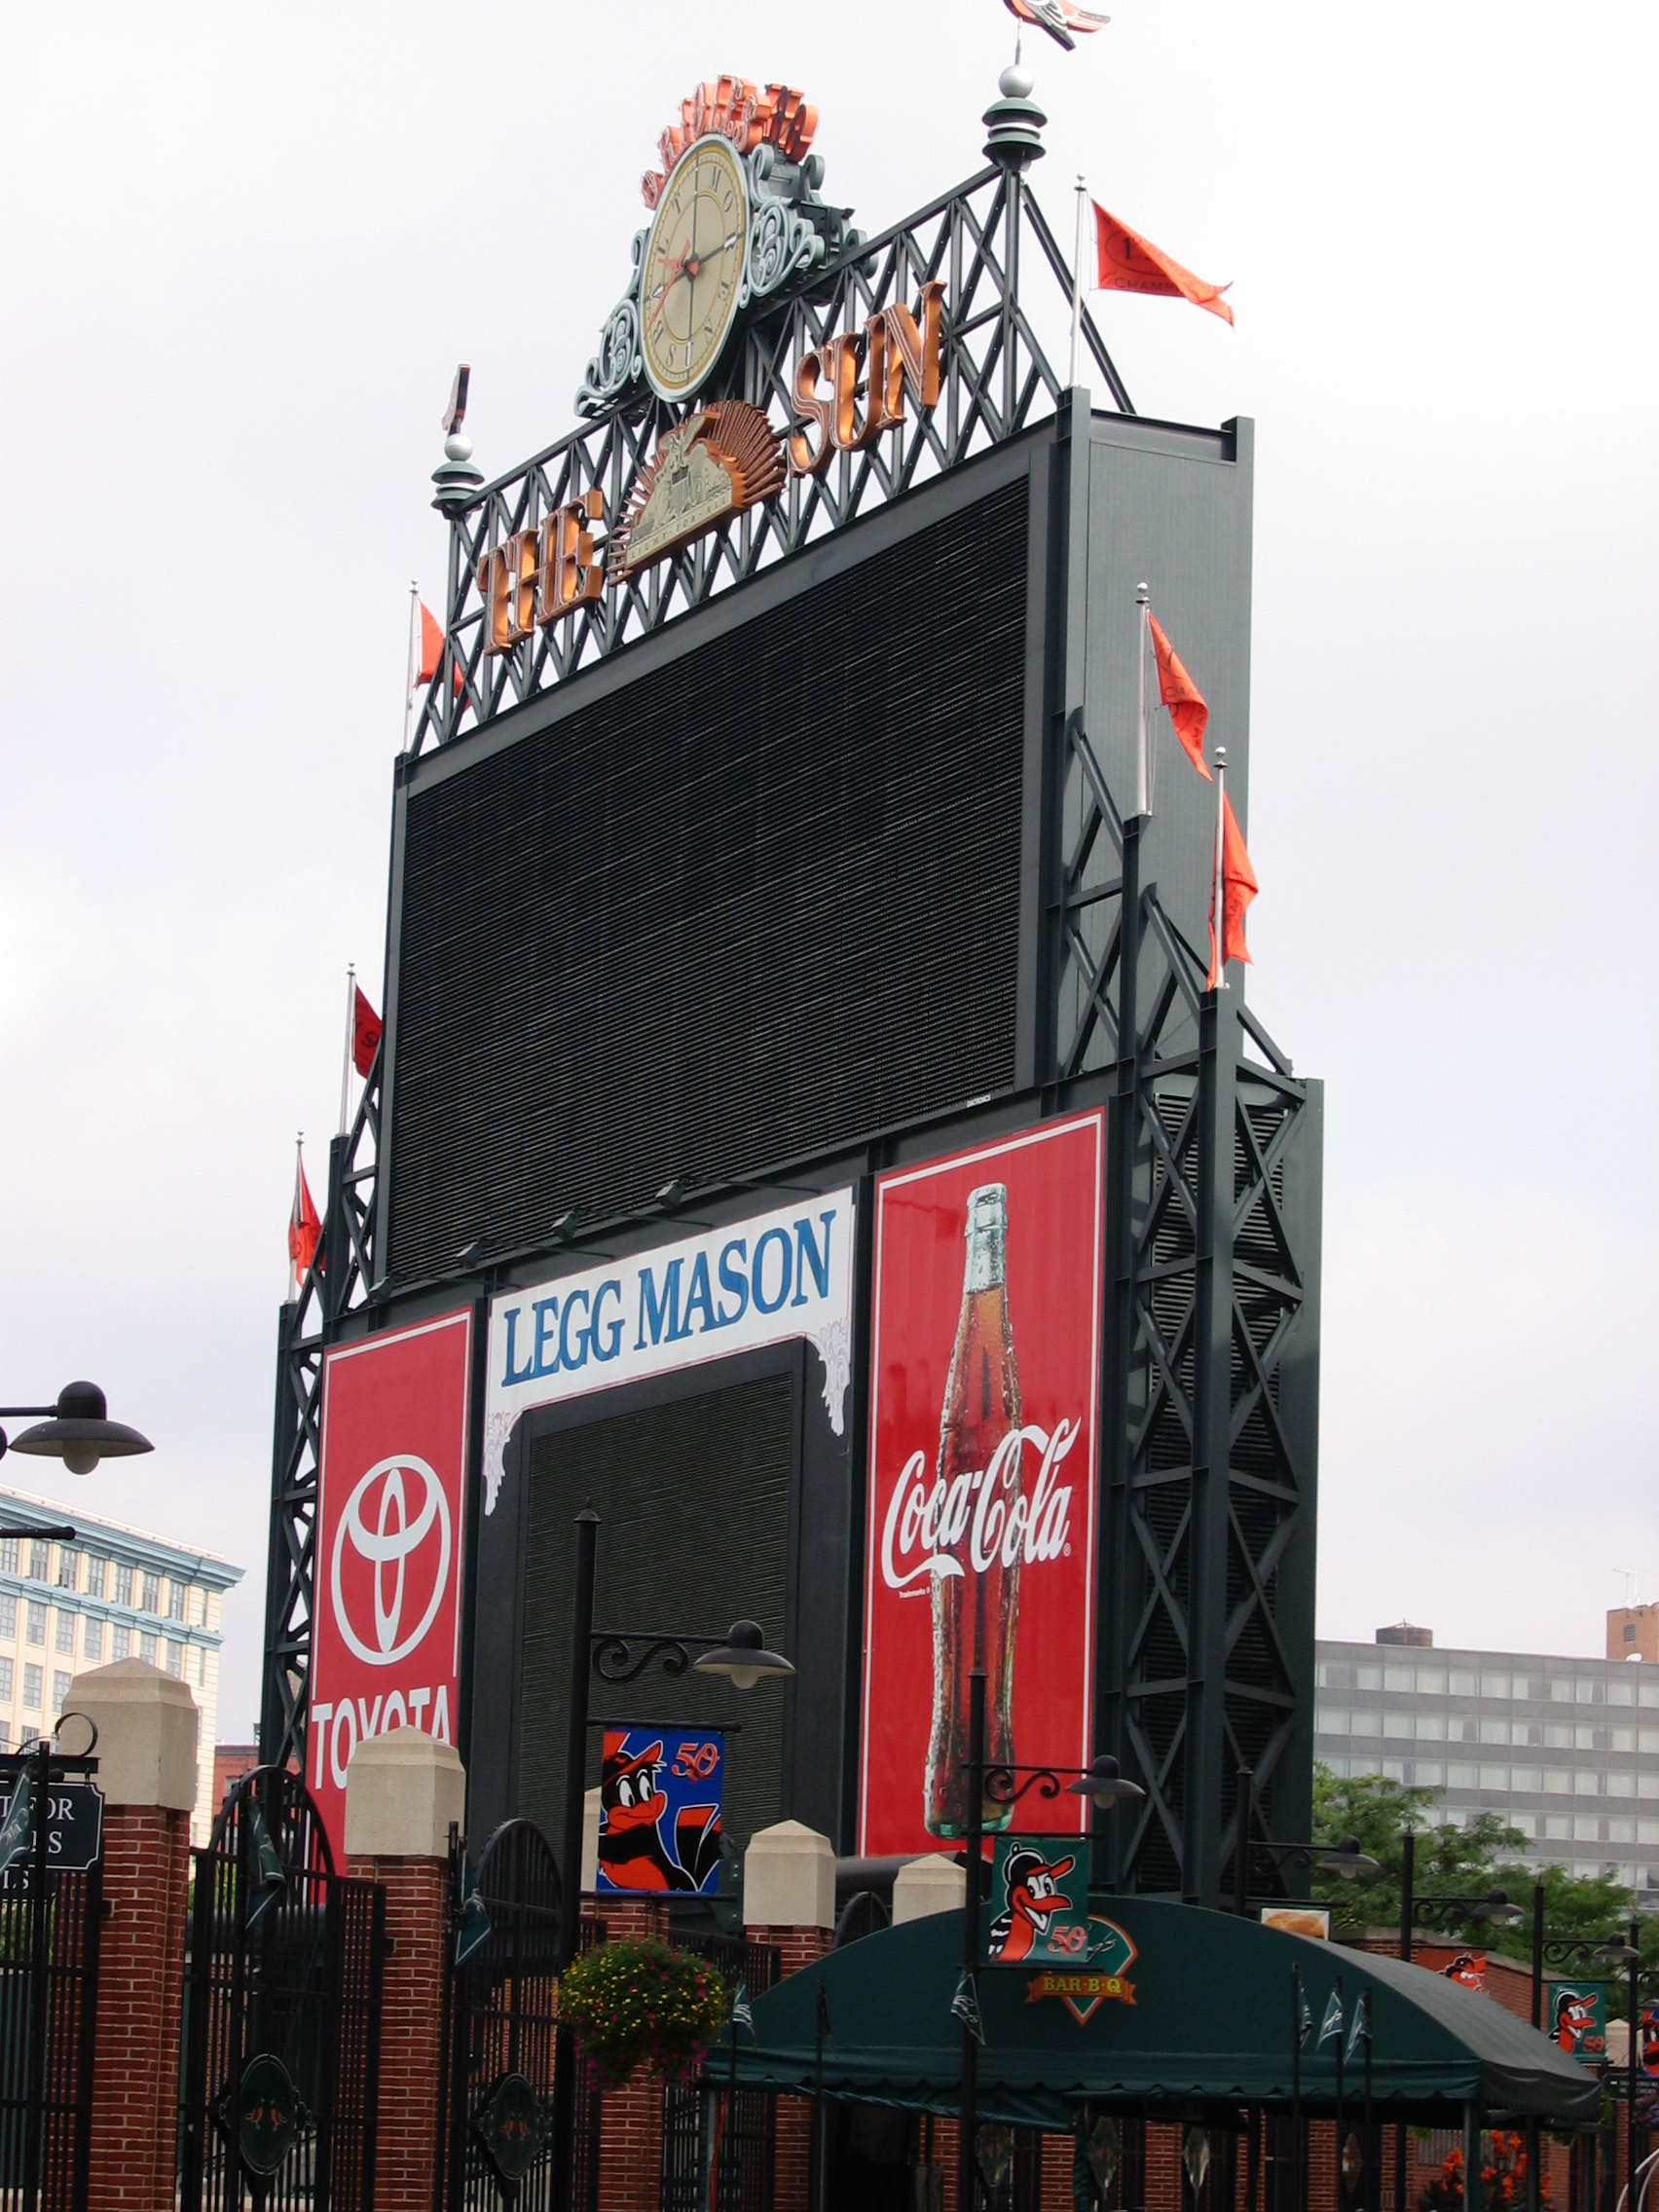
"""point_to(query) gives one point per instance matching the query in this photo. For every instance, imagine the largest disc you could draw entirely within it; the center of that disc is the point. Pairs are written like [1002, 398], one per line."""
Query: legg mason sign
[762, 1282]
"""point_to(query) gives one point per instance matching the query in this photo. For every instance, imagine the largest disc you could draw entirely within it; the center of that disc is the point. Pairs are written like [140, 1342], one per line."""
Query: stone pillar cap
[788, 1878]
[147, 1725]
[403, 1790]
[930, 1885]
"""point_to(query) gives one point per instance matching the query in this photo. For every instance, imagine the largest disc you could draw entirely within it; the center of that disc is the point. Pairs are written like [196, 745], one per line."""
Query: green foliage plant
[642, 2007]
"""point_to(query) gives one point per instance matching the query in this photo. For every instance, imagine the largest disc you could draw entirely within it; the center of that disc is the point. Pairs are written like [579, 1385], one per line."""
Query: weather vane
[1058, 17]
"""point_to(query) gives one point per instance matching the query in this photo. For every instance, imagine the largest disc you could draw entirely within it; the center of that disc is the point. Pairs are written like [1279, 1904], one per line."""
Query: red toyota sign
[385, 1635]
[984, 1433]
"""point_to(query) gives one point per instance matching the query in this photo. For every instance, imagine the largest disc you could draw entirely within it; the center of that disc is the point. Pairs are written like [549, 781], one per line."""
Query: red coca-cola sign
[983, 1461]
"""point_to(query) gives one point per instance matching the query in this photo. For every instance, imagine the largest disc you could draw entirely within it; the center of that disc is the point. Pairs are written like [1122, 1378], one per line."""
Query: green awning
[1178, 2006]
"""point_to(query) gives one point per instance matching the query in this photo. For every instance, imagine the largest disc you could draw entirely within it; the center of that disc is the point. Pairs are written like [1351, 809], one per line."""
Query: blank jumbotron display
[759, 903]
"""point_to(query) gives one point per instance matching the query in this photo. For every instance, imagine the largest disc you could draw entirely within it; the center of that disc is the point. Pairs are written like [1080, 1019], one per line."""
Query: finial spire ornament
[457, 479]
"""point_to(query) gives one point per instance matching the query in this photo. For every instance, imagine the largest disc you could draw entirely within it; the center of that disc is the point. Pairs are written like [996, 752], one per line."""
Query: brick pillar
[146, 1751]
[630, 2127]
[789, 1899]
[402, 1791]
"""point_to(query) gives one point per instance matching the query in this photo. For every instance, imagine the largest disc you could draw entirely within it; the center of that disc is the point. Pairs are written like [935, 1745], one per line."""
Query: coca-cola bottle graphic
[975, 1608]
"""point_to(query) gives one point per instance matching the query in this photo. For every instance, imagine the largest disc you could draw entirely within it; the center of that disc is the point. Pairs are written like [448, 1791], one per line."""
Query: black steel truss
[995, 382]
[1210, 1476]
[337, 1280]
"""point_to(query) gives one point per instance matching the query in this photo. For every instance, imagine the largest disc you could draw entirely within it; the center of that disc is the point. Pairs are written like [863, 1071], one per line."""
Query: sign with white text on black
[74, 1832]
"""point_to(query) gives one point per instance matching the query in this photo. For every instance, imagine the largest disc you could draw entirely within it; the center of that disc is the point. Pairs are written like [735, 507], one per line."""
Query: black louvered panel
[762, 902]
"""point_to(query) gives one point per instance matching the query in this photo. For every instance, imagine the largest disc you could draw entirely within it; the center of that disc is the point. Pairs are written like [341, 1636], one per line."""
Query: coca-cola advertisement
[984, 1438]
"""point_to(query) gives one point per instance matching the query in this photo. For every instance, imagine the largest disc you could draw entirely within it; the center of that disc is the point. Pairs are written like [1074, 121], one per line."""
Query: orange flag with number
[303, 1226]
[1239, 886]
[1188, 710]
[1128, 263]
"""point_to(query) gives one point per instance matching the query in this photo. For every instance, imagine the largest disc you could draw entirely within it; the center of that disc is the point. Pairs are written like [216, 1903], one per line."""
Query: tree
[1449, 1860]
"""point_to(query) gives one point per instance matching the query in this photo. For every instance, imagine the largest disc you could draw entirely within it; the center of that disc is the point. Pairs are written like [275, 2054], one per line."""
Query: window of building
[1618, 1831]
[5, 1735]
[1528, 1778]
[1528, 1731]
[1491, 1732]
[1621, 1693]
[61, 1694]
[150, 1593]
[1362, 1723]
[1339, 1766]
[1463, 1682]
[1556, 1827]
[66, 1636]
[9, 1560]
[123, 1589]
[68, 1568]
[1462, 1728]
[1394, 1770]
[1647, 1784]
[29, 1736]
[1457, 1778]
[1623, 1739]
[1393, 1678]
[1558, 1736]
[1428, 1773]
[1621, 1783]
[1587, 1783]
[91, 1643]
[1586, 1828]
[1531, 1687]
[1492, 1686]
[1431, 1681]
[1336, 1675]
[1561, 1690]
[1525, 1823]
[32, 1693]
[8, 1614]
[201, 1666]
[1647, 1738]
[34, 1627]
[175, 1606]
[121, 1642]
[95, 1577]
[1393, 1724]
[1648, 1832]
[176, 1663]
[40, 1560]
[1431, 1727]
[1647, 1693]
[147, 1652]
[1556, 1779]
[1491, 1778]
[6, 1691]
[1592, 1694]
[1329, 1719]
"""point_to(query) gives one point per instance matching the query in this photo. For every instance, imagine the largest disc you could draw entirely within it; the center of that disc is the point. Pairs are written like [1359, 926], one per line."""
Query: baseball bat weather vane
[1063, 22]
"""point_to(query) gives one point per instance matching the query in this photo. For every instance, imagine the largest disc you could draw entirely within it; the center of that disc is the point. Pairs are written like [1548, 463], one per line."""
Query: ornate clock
[692, 280]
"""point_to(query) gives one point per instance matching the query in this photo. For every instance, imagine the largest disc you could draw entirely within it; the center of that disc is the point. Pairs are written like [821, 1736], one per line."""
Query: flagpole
[1218, 887]
[1143, 778]
[1077, 280]
[345, 1061]
[409, 663]
[294, 1219]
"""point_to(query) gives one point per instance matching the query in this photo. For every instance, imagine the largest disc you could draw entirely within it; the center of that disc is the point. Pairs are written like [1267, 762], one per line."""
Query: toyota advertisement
[983, 1447]
[385, 1640]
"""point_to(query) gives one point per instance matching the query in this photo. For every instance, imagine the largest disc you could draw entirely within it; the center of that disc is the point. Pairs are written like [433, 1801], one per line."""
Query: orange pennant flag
[1238, 887]
[1129, 263]
[1188, 710]
[431, 645]
[304, 1227]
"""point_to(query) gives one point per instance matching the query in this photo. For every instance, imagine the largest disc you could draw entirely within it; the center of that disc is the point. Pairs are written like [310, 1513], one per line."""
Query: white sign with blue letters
[782, 1274]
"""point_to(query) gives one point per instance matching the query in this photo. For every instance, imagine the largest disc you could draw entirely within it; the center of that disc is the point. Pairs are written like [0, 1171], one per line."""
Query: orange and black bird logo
[1575, 2016]
[633, 1849]
[1032, 1896]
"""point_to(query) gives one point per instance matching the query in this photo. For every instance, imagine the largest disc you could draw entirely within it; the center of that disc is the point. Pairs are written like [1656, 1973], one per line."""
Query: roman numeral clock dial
[693, 274]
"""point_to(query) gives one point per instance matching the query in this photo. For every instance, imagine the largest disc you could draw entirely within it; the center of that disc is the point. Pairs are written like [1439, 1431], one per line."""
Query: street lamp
[1345, 1859]
[1102, 1783]
[77, 1431]
[619, 1655]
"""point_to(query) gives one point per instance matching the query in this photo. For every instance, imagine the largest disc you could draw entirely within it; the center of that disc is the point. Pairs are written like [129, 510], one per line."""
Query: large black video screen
[759, 903]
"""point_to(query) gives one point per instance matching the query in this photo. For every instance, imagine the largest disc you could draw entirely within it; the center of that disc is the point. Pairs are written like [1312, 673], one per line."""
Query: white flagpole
[1076, 280]
[1218, 890]
[294, 1219]
[409, 665]
[1143, 778]
[345, 1062]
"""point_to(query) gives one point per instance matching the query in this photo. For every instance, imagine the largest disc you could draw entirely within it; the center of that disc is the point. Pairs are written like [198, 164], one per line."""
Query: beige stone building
[116, 1593]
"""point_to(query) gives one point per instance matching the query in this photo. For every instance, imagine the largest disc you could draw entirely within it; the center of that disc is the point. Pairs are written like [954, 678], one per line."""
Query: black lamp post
[1103, 1784]
[1345, 1859]
[77, 1431]
[618, 1655]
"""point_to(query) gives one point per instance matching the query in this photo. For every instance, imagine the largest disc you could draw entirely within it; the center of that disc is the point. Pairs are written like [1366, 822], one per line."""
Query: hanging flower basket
[639, 2007]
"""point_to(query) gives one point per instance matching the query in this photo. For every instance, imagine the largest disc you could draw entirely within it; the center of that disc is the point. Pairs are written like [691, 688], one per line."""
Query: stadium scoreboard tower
[802, 1130]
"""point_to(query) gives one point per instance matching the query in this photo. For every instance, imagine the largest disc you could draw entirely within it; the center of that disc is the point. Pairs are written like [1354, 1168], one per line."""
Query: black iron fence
[50, 1921]
[283, 2002]
[497, 2072]
[717, 2140]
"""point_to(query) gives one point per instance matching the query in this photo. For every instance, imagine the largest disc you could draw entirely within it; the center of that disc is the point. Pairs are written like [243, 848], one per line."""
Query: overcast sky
[240, 252]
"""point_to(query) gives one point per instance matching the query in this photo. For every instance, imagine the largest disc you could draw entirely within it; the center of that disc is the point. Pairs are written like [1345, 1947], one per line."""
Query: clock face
[693, 270]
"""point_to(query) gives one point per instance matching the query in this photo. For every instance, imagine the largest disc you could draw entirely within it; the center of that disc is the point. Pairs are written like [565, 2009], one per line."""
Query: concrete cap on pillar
[147, 1725]
[402, 1791]
[788, 1878]
[936, 1884]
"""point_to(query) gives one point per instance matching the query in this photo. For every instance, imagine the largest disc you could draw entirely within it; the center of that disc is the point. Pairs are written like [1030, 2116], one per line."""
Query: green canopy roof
[1177, 2004]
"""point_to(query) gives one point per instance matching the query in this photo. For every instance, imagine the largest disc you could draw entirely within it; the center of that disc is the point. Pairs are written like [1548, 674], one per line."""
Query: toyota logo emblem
[389, 1547]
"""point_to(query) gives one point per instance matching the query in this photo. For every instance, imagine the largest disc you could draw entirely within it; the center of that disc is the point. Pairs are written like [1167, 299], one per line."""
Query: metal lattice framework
[995, 382]
[337, 1280]
[1210, 1479]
